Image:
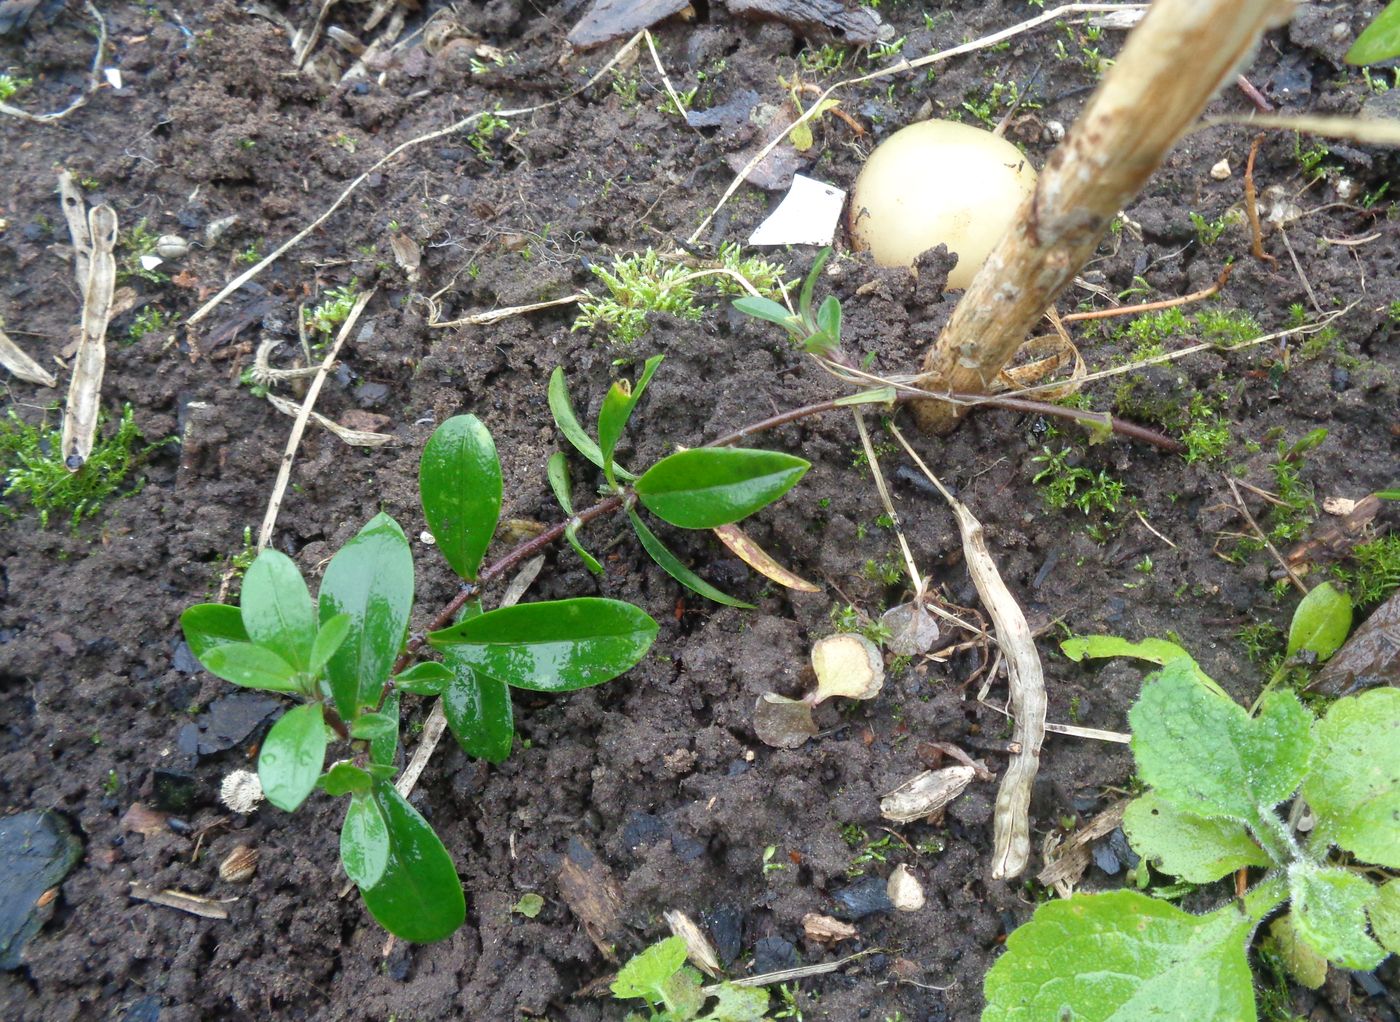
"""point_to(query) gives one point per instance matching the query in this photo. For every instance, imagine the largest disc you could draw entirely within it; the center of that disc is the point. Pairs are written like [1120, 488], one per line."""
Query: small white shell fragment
[113, 76]
[1221, 171]
[826, 930]
[806, 216]
[172, 246]
[925, 793]
[698, 948]
[781, 722]
[904, 890]
[241, 791]
[216, 229]
[847, 665]
[912, 628]
[1056, 130]
[427, 538]
[150, 262]
[1339, 506]
[1346, 188]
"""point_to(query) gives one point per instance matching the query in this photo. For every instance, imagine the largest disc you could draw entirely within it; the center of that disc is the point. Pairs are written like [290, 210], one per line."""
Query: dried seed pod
[904, 890]
[698, 948]
[239, 865]
[172, 246]
[925, 794]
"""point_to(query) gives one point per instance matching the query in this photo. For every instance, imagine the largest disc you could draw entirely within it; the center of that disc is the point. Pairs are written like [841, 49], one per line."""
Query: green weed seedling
[346, 659]
[1216, 777]
[333, 310]
[10, 86]
[673, 991]
[816, 332]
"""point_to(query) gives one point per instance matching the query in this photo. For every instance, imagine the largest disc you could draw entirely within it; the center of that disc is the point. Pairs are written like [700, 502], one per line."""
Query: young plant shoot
[345, 657]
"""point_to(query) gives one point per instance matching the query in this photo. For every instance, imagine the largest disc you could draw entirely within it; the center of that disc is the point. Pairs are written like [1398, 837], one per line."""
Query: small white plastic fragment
[150, 262]
[904, 890]
[113, 76]
[806, 216]
[427, 538]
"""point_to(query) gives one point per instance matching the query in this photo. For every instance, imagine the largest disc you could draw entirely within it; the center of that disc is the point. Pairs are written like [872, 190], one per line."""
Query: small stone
[239, 866]
[904, 890]
[1221, 171]
[1056, 130]
[863, 898]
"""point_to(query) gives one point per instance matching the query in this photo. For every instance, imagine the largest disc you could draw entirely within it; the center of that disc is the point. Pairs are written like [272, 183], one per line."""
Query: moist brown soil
[659, 772]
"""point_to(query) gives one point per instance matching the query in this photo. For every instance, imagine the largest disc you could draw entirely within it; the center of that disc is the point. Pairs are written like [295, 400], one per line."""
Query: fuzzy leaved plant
[1220, 784]
[674, 992]
[345, 658]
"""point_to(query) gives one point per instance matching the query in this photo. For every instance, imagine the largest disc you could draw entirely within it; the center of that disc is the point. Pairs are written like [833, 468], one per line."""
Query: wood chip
[206, 908]
[825, 930]
[1071, 859]
[698, 948]
[587, 887]
[142, 819]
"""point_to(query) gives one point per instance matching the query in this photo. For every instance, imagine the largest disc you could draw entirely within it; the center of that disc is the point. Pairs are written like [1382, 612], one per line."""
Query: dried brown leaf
[760, 560]
[781, 722]
[1371, 657]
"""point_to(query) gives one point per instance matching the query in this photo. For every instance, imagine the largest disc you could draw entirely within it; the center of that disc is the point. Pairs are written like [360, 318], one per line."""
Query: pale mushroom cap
[939, 182]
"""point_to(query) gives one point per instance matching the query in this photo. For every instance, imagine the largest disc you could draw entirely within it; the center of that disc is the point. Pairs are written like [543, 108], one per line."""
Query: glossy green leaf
[373, 725]
[459, 484]
[364, 841]
[478, 711]
[1329, 914]
[1207, 756]
[207, 625]
[1353, 785]
[329, 638]
[384, 747]
[552, 646]
[1380, 40]
[671, 564]
[418, 896]
[828, 338]
[1321, 623]
[711, 486]
[1154, 651]
[382, 771]
[768, 310]
[1187, 846]
[344, 778]
[426, 678]
[251, 666]
[277, 609]
[292, 755]
[1123, 957]
[557, 470]
[1384, 913]
[562, 408]
[371, 579]
[589, 561]
[618, 405]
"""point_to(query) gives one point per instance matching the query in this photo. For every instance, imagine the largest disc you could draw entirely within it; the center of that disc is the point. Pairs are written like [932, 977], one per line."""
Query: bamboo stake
[1170, 67]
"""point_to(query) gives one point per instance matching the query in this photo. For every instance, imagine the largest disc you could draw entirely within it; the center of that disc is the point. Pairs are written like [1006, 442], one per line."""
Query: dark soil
[659, 772]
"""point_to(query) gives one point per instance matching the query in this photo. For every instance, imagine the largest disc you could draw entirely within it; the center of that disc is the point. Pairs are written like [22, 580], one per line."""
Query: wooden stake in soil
[1170, 67]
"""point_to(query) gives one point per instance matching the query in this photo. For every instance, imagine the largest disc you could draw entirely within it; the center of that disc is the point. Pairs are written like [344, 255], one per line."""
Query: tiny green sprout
[10, 86]
[112, 784]
[769, 866]
[333, 309]
[249, 255]
[817, 332]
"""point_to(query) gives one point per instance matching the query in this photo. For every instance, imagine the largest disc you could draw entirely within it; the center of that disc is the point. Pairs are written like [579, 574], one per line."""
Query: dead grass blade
[496, 315]
[284, 471]
[90, 361]
[1371, 131]
[353, 437]
[13, 358]
[94, 81]
[1011, 831]
[1166, 303]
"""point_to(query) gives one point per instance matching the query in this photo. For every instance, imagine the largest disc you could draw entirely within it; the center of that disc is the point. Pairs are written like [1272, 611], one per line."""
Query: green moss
[1374, 572]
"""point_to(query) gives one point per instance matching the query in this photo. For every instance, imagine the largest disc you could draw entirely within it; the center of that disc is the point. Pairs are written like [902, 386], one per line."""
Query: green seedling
[1216, 777]
[816, 332]
[1380, 40]
[702, 488]
[332, 311]
[10, 86]
[32, 469]
[136, 243]
[1065, 485]
[673, 991]
[346, 659]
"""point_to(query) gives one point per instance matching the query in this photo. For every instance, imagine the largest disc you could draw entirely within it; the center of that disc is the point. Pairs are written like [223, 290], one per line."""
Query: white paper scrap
[113, 76]
[806, 216]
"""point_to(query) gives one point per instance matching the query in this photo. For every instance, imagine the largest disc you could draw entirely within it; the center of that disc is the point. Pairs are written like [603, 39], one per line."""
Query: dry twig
[94, 81]
[1251, 206]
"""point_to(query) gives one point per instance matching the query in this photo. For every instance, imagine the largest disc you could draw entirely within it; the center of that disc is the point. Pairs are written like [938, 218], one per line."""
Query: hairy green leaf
[251, 666]
[1380, 40]
[364, 841]
[1321, 623]
[1329, 914]
[292, 756]
[1155, 651]
[207, 625]
[459, 484]
[739, 1004]
[671, 564]
[562, 408]
[618, 405]
[553, 646]
[371, 579]
[1305, 965]
[711, 486]
[1354, 783]
[418, 896]
[426, 678]
[1385, 916]
[645, 974]
[329, 638]
[1123, 957]
[344, 778]
[1187, 846]
[277, 610]
[1207, 756]
[478, 711]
